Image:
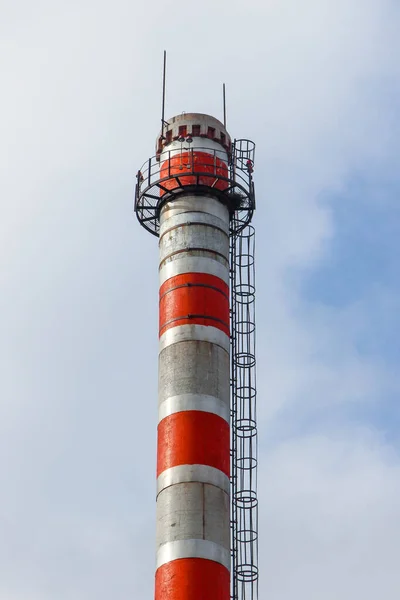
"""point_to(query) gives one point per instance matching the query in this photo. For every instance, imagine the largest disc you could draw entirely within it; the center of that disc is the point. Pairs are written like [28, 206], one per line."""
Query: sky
[316, 84]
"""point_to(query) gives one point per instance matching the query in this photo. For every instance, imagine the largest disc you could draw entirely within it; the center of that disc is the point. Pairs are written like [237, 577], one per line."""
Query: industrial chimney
[197, 195]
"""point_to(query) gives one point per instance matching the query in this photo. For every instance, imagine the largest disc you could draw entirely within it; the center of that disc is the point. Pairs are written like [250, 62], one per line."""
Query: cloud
[332, 517]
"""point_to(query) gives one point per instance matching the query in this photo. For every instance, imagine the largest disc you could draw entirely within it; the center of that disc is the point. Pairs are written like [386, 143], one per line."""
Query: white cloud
[332, 518]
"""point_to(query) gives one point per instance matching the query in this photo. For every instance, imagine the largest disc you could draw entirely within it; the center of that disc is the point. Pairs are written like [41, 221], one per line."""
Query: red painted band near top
[198, 162]
[196, 299]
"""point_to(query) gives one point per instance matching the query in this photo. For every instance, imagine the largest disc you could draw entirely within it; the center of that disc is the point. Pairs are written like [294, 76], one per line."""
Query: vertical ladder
[244, 503]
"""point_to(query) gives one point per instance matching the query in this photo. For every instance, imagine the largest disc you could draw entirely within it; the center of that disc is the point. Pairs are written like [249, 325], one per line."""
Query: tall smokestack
[197, 195]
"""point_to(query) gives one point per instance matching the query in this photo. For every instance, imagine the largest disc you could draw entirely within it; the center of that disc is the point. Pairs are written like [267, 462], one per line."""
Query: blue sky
[316, 85]
[361, 273]
[362, 256]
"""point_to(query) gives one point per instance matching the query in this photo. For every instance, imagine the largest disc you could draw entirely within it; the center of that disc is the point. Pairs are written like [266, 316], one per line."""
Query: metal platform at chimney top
[157, 183]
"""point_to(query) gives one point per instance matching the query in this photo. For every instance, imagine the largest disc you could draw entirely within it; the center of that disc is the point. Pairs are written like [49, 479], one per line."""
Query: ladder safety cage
[244, 502]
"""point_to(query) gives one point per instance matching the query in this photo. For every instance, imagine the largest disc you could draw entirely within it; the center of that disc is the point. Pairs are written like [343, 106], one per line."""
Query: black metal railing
[196, 170]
